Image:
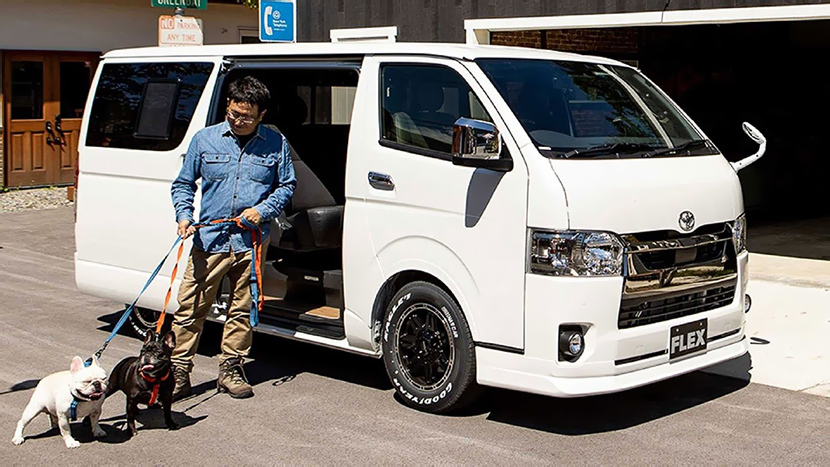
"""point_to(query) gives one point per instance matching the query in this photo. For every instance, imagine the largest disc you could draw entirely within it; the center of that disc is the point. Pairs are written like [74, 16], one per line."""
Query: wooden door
[45, 97]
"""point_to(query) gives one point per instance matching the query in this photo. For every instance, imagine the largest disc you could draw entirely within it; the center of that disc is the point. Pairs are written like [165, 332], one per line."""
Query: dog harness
[73, 409]
[156, 384]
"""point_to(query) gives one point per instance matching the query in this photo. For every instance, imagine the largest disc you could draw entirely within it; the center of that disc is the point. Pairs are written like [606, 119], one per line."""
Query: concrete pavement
[319, 406]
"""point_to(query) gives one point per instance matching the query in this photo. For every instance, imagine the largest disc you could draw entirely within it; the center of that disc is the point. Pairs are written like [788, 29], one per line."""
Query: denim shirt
[259, 175]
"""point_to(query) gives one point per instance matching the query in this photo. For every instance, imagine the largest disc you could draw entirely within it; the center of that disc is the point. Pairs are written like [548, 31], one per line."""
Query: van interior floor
[304, 310]
[308, 313]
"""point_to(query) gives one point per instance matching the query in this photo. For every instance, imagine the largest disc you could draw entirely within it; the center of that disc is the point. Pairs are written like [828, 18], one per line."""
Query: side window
[145, 105]
[420, 104]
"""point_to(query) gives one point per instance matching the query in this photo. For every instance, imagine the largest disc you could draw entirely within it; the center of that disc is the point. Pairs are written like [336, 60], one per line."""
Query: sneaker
[232, 379]
[182, 378]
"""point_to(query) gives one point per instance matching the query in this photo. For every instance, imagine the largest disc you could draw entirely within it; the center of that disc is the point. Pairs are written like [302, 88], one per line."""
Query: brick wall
[517, 38]
[610, 42]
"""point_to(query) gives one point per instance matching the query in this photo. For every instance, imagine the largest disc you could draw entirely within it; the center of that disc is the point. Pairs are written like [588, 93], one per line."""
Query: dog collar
[156, 385]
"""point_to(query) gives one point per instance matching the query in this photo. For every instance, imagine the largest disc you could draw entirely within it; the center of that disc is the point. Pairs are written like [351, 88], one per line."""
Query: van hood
[638, 195]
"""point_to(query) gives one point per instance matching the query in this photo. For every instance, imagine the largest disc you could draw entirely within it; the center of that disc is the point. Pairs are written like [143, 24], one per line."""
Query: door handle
[381, 181]
[61, 136]
[51, 138]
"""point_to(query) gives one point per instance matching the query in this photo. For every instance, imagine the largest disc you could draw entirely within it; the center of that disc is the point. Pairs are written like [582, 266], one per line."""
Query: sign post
[180, 31]
[278, 21]
[192, 4]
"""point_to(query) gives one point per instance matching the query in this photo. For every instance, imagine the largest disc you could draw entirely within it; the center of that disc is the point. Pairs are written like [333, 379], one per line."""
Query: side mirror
[759, 138]
[476, 143]
[753, 133]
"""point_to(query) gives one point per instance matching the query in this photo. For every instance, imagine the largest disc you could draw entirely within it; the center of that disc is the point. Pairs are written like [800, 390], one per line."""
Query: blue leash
[73, 407]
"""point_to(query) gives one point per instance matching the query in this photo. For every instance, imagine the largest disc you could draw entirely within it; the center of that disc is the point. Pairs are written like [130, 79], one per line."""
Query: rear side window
[420, 104]
[145, 105]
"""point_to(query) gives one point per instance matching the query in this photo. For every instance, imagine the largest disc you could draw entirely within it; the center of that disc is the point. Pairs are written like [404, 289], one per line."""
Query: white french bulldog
[54, 395]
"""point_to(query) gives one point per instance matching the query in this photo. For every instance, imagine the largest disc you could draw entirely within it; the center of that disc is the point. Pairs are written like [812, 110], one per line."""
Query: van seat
[315, 217]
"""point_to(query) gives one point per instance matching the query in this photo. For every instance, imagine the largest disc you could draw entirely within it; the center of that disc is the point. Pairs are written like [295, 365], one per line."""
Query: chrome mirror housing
[475, 139]
[476, 143]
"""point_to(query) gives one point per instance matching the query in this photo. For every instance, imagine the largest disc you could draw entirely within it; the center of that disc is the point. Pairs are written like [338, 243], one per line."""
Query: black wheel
[142, 320]
[428, 350]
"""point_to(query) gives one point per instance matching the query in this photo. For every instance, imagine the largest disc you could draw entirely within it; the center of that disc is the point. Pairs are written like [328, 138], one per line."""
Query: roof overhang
[478, 30]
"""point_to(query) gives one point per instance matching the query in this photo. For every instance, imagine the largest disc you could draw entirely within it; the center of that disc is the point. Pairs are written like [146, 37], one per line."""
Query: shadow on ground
[274, 359]
[278, 361]
[611, 412]
[21, 386]
[146, 419]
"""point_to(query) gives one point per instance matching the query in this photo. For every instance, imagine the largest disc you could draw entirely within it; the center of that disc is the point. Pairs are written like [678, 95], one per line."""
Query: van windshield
[573, 109]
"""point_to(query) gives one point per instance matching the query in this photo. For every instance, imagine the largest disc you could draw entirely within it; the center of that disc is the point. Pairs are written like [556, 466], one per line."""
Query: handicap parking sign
[277, 22]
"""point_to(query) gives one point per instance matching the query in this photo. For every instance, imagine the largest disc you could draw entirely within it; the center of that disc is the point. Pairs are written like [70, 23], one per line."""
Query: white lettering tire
[428, 350]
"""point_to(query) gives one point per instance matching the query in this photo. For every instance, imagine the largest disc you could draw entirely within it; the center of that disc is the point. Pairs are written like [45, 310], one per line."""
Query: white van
[474, 215]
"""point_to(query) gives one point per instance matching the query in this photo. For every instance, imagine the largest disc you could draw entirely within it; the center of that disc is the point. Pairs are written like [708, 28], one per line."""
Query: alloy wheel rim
[423, 347]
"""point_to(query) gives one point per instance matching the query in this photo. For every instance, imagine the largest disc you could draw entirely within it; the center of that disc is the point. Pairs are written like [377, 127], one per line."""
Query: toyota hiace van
[473, 215]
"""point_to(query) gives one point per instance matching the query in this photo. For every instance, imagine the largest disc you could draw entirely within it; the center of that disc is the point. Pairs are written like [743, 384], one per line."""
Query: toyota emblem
[686, 221]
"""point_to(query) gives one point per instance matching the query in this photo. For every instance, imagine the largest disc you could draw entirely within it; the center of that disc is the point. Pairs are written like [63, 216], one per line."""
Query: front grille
[654, 260]
[641, 311]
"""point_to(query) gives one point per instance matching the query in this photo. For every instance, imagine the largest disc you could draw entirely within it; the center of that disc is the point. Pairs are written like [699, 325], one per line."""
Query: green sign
[193, 4]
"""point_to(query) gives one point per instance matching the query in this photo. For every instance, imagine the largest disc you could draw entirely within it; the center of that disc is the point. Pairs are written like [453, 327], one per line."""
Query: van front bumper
[614, 359]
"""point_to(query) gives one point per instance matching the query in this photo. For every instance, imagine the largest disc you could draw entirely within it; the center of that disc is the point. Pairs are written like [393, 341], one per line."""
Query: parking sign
[277, 21]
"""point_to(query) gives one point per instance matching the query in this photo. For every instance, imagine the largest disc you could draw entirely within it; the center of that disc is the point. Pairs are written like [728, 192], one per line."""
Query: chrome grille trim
[669, 275]
[639, 311]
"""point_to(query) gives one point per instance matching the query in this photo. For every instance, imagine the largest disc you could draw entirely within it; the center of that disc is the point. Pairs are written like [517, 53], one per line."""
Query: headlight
[739, 233]
[577, 253]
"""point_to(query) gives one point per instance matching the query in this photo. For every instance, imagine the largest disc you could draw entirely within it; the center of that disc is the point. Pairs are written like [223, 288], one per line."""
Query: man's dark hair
[250, 91]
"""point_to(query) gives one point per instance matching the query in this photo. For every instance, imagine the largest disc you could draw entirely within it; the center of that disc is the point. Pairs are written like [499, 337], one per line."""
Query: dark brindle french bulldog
[147, 378]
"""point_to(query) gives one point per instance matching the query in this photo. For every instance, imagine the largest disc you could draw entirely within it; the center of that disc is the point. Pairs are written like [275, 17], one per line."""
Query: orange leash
[160, 322]
[258, 297]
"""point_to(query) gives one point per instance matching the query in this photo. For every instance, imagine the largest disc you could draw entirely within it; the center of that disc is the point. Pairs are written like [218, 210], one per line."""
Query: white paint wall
[102, 25]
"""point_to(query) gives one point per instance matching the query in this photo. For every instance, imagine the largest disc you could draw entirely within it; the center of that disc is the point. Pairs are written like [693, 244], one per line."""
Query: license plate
[687, 338]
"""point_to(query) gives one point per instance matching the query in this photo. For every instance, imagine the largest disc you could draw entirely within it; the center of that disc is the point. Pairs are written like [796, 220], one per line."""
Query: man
[246, 172]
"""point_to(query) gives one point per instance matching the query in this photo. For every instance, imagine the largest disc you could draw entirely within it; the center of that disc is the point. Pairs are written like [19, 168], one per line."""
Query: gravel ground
[29, 200]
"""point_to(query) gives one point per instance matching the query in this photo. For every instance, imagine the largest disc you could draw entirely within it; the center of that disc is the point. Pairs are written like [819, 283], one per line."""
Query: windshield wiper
[612, 148]
[683, 147]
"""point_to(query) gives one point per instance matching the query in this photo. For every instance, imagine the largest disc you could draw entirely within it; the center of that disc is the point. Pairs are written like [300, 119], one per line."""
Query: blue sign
[277, 22]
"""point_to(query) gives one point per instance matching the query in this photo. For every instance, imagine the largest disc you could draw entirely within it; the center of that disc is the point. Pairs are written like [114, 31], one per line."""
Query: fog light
[571, 344]
[747, 303]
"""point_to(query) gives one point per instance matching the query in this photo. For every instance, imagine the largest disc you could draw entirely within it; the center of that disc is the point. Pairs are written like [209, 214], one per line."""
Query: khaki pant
[201, 282]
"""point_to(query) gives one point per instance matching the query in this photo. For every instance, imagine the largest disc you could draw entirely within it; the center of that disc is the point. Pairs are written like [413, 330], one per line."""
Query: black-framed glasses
[240, 118]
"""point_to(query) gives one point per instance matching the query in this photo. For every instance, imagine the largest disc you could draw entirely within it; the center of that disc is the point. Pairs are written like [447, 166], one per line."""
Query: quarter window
[145, 105]
[421, 103]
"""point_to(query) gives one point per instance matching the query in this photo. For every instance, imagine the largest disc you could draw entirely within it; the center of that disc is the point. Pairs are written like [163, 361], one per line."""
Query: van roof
[449, 50]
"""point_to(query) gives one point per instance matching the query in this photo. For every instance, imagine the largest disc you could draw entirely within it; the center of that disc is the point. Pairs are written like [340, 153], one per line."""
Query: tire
[428, 350]
[142, 320]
